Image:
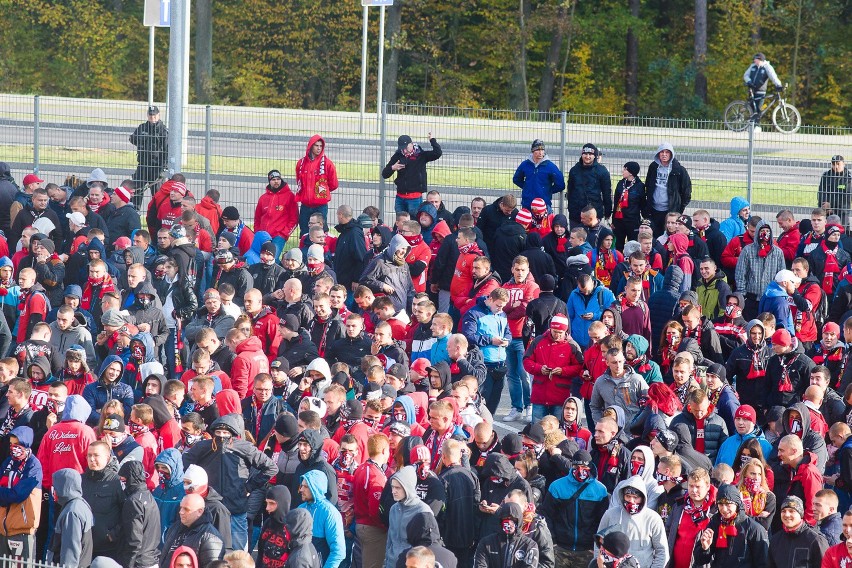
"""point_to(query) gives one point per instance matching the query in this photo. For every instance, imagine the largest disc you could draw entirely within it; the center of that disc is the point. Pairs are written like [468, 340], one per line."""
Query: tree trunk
[700, 49]
[393, 25]
[204, 51]
[631, 77]
[564, 66]
[519, 96]
[548, 74]
[756, 9]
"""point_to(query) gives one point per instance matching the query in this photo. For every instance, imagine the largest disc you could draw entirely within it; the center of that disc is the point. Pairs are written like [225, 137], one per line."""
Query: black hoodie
[102, 491]
[140, 519]
[422, 530]
[500, 479]
[273, 544]
[748, 548]
[501, 550]
[316, 461]
[8, 190]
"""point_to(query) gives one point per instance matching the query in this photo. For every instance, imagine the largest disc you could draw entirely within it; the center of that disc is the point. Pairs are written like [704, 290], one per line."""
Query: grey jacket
[401, 514]
[72, 537]
[77, 334]
[624, 393]
[753, 273]
[645, 529]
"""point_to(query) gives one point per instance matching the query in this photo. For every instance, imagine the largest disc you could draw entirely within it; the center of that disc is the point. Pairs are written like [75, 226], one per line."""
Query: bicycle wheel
[786, 118]
[737, 115]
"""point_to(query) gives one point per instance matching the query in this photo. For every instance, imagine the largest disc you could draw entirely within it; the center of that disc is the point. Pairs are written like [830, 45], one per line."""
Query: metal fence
[232, 148]
[18, 562]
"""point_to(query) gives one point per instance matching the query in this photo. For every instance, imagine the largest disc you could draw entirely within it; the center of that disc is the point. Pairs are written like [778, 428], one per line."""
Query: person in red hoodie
[554, 360]
[368, 483]
[840, 555]
[419, 256]
[316, 178]
[788, 240]
[139, 426]
[165, 209]
[463, 274]
[542, 222]
[522, 289]
[797, 475]
[264, 322]
[165, 427]
[484, 281]
[351, 422]
[66, 442]
[805, 302]
[275, 212]
[250, 360]
[210, 209]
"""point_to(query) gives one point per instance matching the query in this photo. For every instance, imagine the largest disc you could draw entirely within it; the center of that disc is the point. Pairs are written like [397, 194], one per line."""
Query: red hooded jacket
[276, 212]
[250, 361]
[552, 390]
[315, 178]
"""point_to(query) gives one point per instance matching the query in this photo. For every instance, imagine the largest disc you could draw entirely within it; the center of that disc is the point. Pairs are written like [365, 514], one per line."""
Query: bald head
[191, 508]
[293, 290]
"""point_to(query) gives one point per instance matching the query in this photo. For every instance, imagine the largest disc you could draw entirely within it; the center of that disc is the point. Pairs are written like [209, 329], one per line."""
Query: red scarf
[786, 385]
[727, 529]
[757, 369]
[470, 248]
[413, 240]
[698, 513]
[604, 266]
[699, 434]
[560, 243]
[624, 201]
[105, 284]
[832, 268]
[764, 247]
[640, 364]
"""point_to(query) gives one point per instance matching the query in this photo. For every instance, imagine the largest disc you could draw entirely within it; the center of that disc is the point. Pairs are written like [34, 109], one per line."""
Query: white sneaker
[514, 415]
[528, 414]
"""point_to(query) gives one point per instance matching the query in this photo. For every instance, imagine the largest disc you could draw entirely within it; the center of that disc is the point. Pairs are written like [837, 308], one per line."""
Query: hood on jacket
[443, 369]
[731, 493]
[315, 439]
[149, 352]
[407, 477]
[617, 325]
[512, 511]
[620, 417]
[145, 287]
[24, 434]
[751, 324]
[441, 229]
[396, 243]
[76, 409]
[281, 495]
[107, 362]
[498, 465]
[228, 402]
[97, 245]
[774, 290]
[314, 139]
[534, 240]
[639, 343]
[42, 363]
[408, 405]
[405, 446]
[760, 226]
[317, 482]
[740, 300]
[300, 523]
[171, 458]
[6, 261]
[137, 254]
[185, 550]
[134, 477]
[664, 146]
[680, 242]
[457, 213]
[806, 419]
[162, 414]
[634, 482]
[581, 410]
[5, 171]
[260, 239]
[738, 204]
[250, 344]
[673, 278]
[68, 485]
[430, 210]
[422, 530]
[321, 365]
[561, 220]
[233, 423]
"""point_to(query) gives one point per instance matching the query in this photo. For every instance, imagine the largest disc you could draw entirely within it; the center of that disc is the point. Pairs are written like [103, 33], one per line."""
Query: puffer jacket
[538, 180]
[715, 430]
[140, 519]
[572, 508]
[501, 550]
[201, 537]
[548, 388]
[589, 185]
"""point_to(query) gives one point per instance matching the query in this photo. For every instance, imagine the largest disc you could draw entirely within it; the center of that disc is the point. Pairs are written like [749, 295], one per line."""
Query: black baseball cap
[153, 109]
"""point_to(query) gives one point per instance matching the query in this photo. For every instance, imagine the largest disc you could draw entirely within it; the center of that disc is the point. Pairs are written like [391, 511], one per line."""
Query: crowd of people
[205, 393]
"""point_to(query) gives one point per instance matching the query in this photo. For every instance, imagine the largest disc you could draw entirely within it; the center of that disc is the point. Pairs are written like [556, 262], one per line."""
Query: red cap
[420, 453]
[538, 206]
[420, 365]
[179, 188]
[746, 412]
[559, 322]
[524, 217]
[831, 327]
[122, 243]
[32, 178]
[782, 338]
[123, 193]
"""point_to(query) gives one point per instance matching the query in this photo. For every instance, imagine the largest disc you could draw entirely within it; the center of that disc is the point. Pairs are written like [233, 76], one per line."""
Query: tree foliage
[469, 53]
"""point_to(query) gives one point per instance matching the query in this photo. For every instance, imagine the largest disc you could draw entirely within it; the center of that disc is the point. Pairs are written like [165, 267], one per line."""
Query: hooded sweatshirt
[734, 226]
[98, 393]
[273, 547]
[384, 271]
[140, 519]
[423, 531]
[72, 538]
[754, 272]
[327, 533]
[302, 553]
[644, 529]
[316, 177]
[66, 443]
[170, 491]
[401, 514]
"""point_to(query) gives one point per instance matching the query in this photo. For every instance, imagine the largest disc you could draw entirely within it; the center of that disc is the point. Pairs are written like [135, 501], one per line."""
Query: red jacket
[64, 445]
[161, 211]
[486, 289]
[594, 361]
[276, 212]
[788, 241]
[804, 322]
[419, 252]
[32, 310]
[732, 252]
[519, 296]
[463, 276]
[265, 328]
[361, 432]
[837, 556]
[211, 211]
[808, 477]
[149, 448]
[168, 435]
[190, 374]
[369, 482]
[547, 389]
[250, 361]
[315, 178]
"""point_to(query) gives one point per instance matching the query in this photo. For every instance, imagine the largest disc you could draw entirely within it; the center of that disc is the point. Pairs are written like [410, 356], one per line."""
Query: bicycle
[785, 117]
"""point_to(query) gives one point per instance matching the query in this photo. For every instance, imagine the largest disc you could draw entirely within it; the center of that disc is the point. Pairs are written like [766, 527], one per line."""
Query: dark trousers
[658, 222]
[751, 306]
[492, 389]
[464, 556]
[624, 230]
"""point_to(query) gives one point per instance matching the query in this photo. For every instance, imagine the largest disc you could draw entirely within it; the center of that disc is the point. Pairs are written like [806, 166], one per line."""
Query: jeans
[279, 243]
[239, 531]
[444, 301]
[658, 222]
[539, 411]
[519, 380]
[305, 212]
[411, 205]
[492, 389]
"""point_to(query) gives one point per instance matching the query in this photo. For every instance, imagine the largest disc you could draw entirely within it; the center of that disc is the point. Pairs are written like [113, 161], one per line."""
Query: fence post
[750, 160]
[563, 129]
[383, 135]
[207, 126]
[36, 116]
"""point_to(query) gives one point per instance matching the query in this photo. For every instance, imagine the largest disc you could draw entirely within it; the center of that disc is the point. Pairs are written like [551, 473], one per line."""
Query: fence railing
[232, 148]
[18, 562]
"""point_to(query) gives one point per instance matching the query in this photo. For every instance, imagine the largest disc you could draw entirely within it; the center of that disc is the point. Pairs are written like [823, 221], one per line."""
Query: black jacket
[715, 430]
[268, 413]
[663, 303]
[266, 276]
[541, 263]
[220, 516]
[299, 351]
[458, 522]
[383, 271]
[803, 548]
[140, 520]
[238, 277]
[632, 214]
[509, 242]
[350, 254]
[221, 324]
[740, 365]
[412, 178]
[422, 530]
[499, 550]
[121, 222]
[498, 465]
[102, 491]
[541, 310]
[201, 536]
[589, 185]
[710, 345]
[443, 266]
[302, 552]
[747, 549]
[152, 143]
[799, 368]
[224, 357]
[678, 186]
[315, 461]
[8, 190]
[492, 218]
[324, 333]
[349, 350]
[273, 543]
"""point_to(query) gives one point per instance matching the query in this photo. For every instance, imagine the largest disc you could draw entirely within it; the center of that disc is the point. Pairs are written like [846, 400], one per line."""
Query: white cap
[787, 276]
[77, 218]
[196, 475]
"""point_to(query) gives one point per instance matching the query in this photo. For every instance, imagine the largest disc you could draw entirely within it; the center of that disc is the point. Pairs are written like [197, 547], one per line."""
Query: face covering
[137, 351]
[143, 302]
[496, 480]
[636, 467]
[137, 429]
[221, 441]
[753, 485]
[581, 473]
[744, 459]
[115, 439]
[632, 508]
[123, 484]
[796, 427]
[54, 407]
[672, 337]
[733, 311]
[661, 479]
[18, 453]
[370, 421]
[189, 440]
[346, 459]
[400, 415]
[508, 526]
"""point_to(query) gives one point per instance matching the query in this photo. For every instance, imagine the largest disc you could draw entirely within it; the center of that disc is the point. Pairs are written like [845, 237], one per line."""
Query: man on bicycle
[756, 78]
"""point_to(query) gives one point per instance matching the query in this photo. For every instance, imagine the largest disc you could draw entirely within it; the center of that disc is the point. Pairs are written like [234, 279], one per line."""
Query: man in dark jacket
[834, 185]
[124, 218]
[262, 408]
[409, 162]
[235, 468]
[507, 547]
[309, 448]
[351, 251]
[71, 543]
[194, 531]
[151, 139]
[422, 530]
[668, 188]
[21, 493]
[8, 190]
[140, 519]
[500, 478]
[233, 271]
[302, 552]
[463, 494]
[211, 315]
[588, 184]
[389, 275]
[509, 241]
[495, 215]
[732, 537]
[102, 491]
[663, 303]
[353, 346]
[798, 545]
[707, 428]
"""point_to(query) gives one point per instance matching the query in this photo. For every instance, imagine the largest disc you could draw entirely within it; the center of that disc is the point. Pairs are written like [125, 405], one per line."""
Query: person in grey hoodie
[72, 538]
[302, 551]
[668, 188]
[408, 504]
[644, 528]
[619, 386]
[388, 274]
[69, 329]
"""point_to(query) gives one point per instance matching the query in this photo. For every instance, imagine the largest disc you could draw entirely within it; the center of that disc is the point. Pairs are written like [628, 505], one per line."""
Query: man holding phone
[409, 163]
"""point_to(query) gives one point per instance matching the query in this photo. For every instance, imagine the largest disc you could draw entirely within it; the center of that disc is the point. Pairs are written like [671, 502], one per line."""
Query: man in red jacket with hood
[165, 210]
[249, 362]
[316, 178]
[276, 211]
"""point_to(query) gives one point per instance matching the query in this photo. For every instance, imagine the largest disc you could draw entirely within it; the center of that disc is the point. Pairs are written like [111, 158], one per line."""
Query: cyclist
[758, 74]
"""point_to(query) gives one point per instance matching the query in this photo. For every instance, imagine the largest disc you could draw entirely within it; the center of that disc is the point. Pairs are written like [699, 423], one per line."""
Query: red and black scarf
[105, 285]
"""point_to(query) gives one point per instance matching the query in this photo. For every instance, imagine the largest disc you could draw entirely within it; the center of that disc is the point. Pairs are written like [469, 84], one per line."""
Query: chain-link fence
[232, 148]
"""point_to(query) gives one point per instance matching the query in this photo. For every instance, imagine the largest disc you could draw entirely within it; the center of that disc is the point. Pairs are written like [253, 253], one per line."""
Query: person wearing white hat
[776, 299]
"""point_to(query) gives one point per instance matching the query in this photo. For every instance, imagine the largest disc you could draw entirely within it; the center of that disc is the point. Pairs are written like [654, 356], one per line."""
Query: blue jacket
[542, 180]
[777, 302]
[728, 450]
[328, 524]
[479, 325]
[98, 393]
[601, 298]
[410, 411]
[268, 413]
[31, 475]
[252, 255]
[734, 226]
[429, 209]
[573, 509]
[439, 350]
[169, 492]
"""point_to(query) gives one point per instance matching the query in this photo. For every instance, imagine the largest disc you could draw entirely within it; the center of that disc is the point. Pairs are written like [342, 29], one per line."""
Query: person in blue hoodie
[427, 216]
[485, 325]
[170, 491]
[328, 538]
[586, 304]
[537, 176]
[108, 387]
[20, 495]
[777, 299]
[735, 225]
[252, 255]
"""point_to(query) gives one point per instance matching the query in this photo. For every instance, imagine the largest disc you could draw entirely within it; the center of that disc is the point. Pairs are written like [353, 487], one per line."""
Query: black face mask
[143, 302]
